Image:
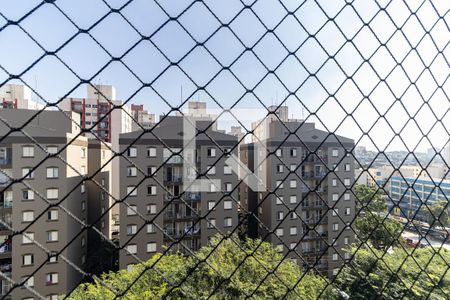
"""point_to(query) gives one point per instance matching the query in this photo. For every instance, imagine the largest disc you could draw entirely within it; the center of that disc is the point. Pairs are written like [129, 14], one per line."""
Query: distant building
[17, 96]
[142, 119]
[104, 122]
[408, 195]
[198, 110]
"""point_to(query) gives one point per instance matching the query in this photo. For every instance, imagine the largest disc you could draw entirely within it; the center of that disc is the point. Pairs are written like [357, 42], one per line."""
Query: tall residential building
[307, 205]
[98, 104]
[45, 206]
[152, 181]
[17, 96]
[199, 111]
[142, 119]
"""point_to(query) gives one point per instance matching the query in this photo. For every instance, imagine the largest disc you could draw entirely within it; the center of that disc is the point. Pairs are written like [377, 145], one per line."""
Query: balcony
[189, 232]
[171, 215]
[174, 179]
[187, 196]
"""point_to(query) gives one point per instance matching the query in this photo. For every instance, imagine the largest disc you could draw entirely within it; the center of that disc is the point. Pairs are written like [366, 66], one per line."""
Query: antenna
[181, 94]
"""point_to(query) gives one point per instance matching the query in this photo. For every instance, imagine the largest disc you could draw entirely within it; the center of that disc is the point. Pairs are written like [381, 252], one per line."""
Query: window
[279, 232]
[335, 256]
[279, 184]
[334, 212]
[151, 247]
[83, 152]
[211, 205]
[28, 281]
[227, 170]
[227, 222]
[27, 259]
[151, 152]
[132, 152]
[52, 215]
[334, 182]
[293, 199]
[83, 241]
[131, 210]
[150, 228]
[279, 200]
[27, 195]
[211, 170]
[52, 193]
[335, 197]
[347, 182]
[293, 230]
[335, 152]
[52, 149]
[346, 240]
[293, 183]
[293, 167]
[347, 255]
[347, 211]
[52, 236]
[279, 152]
[131, 191]
[27, 173]
[280, 215]
[211, 223]
[293, 215]
[27, 216]
[227, 204]
[27, 151]
[335, 167]
[53, 257]
[83, 188]
[279, 247]
[51, 278]
[347, 167]
[151, 170]
[336, 271]
[292, 246]
[279, 168]
[151, 209]
[131, 229]
[52, 172]
[83, 170]
[151, 190]
[346, 196]
[211, 152]
[131, 249]
[83, 205]
[131, 171]
[293, 152]
[335, 226]
[28, 238]
[228, 187]
[212, 188]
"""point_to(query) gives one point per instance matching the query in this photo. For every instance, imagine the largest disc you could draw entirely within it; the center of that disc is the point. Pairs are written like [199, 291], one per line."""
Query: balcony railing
[179, 215]
[190, 196]
[178, 233]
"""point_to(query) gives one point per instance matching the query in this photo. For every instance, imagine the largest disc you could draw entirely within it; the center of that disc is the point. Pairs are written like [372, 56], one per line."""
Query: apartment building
[41, 211]
[17, 96]
[142, 119]
[307, 205]
[161, 206]
[98, 108]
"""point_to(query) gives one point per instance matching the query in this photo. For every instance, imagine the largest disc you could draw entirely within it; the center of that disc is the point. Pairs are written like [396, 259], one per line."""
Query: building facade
[45, 206]
[142, 119]
[307, 205]
[17, 96]
[160, 208]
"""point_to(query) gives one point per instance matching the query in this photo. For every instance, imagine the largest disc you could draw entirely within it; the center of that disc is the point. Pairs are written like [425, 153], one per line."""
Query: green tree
[371, 224]
[212, 272]
[379, 231]
[374, 274]
[368, 198]
[437, 214]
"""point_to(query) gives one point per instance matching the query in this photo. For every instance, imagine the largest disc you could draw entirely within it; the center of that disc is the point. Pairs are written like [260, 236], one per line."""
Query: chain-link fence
[224, 149]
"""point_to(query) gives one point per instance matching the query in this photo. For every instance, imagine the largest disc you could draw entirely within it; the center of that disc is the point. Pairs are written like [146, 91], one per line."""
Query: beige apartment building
[17, 96]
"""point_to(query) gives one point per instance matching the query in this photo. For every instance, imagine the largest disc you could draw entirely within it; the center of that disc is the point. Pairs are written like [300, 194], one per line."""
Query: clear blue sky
[49, 27]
